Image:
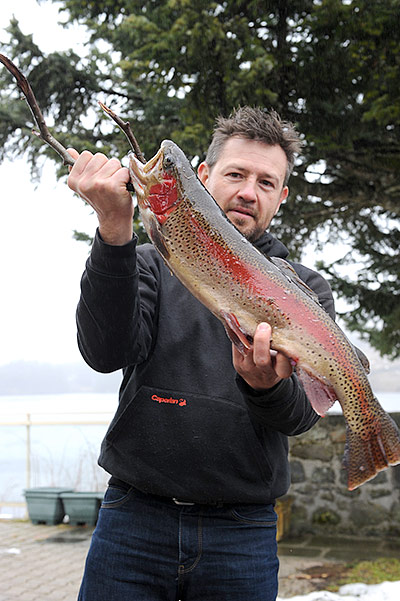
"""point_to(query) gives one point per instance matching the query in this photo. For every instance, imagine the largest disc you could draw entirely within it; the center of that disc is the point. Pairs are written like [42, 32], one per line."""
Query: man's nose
[248, 190]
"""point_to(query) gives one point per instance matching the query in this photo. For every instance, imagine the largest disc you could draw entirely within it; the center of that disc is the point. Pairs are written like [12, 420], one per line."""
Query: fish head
[157, 182]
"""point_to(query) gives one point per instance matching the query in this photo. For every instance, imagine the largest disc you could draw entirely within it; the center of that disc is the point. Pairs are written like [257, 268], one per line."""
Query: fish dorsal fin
[320, 394]
[287, 270]
[363, 359]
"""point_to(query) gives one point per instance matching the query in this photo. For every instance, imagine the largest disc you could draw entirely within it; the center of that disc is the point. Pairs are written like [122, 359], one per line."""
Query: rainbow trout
[242, 287]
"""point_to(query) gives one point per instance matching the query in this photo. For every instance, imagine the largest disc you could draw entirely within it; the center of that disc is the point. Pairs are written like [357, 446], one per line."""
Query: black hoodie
[186, 425]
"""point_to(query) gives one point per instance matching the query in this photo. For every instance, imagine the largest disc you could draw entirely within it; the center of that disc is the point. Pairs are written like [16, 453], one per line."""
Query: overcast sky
[40, 262]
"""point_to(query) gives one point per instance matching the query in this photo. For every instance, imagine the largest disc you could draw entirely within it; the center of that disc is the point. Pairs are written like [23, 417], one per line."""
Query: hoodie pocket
[190, 446]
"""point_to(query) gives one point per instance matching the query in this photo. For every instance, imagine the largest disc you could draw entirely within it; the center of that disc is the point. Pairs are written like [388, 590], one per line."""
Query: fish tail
[368, 453]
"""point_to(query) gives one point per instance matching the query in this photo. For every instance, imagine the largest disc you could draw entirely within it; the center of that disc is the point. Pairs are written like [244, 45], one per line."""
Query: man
[197, 450]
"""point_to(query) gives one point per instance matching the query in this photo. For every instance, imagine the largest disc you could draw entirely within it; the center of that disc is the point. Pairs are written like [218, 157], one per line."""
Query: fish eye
[168, 162]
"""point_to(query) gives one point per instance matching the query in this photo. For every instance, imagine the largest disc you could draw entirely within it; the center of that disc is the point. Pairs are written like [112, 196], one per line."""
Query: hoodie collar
[270, 246]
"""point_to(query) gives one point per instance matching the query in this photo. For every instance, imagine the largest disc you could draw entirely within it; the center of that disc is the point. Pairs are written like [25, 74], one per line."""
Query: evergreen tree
[170, 67]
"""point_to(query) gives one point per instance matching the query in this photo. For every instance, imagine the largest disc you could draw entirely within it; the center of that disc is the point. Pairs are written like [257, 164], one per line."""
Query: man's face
[247, 183]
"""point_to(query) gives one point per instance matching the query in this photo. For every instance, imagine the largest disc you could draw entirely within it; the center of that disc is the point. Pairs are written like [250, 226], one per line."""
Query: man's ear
[203, 172]
[284, 195]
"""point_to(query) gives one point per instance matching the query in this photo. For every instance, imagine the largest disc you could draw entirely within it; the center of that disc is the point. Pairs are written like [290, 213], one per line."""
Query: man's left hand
[261, 367]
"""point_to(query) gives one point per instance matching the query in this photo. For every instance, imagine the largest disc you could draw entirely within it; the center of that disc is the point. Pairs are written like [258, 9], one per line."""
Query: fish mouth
[145, 175]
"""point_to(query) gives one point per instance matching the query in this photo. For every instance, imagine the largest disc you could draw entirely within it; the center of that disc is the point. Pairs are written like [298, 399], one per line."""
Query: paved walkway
[41, 563]
[45, 563]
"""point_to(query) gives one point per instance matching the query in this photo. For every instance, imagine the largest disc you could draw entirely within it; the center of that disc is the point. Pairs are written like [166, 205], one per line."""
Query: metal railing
[29, 420]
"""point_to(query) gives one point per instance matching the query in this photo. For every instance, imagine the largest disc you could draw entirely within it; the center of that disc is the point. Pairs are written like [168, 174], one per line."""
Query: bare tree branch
[126, 128]
[44, 133]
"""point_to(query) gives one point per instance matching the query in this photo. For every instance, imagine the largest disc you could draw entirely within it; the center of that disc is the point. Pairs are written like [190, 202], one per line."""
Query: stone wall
[321, 501]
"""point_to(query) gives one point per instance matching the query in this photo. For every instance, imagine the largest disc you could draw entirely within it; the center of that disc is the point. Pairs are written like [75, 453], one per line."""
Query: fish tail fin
[367, 454]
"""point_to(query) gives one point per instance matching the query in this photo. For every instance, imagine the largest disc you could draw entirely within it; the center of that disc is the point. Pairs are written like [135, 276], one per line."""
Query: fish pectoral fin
[320, 394]
[235, 332]
[158, 239]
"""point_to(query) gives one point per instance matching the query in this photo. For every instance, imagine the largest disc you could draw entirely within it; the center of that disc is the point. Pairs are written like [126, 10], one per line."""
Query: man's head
[248, 165]
[259, 125]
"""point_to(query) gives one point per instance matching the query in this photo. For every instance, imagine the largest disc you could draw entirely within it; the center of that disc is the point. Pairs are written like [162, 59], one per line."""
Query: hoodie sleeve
[117, 307]
[284, 408]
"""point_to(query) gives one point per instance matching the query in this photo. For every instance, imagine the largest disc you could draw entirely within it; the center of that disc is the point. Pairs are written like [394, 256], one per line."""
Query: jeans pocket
[115, 497]
[257, 515]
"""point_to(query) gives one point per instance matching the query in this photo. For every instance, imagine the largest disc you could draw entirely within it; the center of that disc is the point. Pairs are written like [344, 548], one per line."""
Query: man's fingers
[283, 366]
[91, 172]
[264, 356]
[90, 163]
[262, 344]
[109, 168]
[262, 367]
[238, 356]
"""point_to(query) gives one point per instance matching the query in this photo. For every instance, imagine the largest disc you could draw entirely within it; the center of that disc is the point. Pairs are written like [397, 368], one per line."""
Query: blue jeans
[145, 548]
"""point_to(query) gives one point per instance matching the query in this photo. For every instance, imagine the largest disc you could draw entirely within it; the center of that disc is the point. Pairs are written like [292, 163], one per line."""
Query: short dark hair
[255, 124]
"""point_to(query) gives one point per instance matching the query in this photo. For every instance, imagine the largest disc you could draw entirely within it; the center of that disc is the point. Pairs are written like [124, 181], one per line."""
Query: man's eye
[234, 174]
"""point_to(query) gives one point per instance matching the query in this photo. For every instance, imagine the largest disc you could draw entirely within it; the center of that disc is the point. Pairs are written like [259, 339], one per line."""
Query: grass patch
[369, 572]
[374, 572]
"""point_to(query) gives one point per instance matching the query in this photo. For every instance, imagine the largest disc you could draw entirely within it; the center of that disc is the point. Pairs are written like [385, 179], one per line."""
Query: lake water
[60, 455]
[66, 454]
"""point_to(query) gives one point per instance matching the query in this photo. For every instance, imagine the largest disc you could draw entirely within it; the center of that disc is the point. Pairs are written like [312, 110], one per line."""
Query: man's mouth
[241, 212]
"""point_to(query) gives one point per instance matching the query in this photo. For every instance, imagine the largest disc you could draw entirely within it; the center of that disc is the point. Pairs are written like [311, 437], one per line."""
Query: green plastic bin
[82, 507]
[45, 505]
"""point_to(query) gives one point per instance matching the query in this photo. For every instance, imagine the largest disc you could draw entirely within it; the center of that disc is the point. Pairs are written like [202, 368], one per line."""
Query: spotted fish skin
[242, 287]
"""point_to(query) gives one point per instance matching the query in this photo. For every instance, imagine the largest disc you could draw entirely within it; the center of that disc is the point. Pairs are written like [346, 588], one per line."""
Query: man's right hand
[102, 183]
